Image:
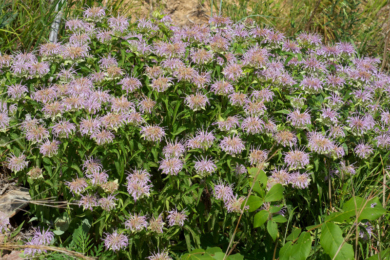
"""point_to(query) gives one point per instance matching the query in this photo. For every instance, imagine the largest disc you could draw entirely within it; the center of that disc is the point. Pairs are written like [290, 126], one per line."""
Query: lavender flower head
[157, 224]
[63, 129]
[16, 91]
[235, 204]
[223, 192]
[146, 105]
[197, 101]
[39, 238]
[252, 125]
[363, 151]
[49, 149]
[103, 137]
[296, 159]
[176, 218]
[232, 145]
[77, 185]
[202, 140]
[4, 222]
[88, 202]
[229, 124]
[298, 119]
[299, 181]
[98, 178]
[257, 156]
[152, 133]
[171, 166]
[136, 223]
[160, 256]
[173, 150]
[138, 184]
[115, 241]
[204, 166]
[16, 163]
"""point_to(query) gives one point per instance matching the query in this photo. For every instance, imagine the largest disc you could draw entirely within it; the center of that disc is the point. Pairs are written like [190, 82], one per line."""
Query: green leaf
[332, 239]
[275, 193]
[384, 255]
[272, 229]
[254, 203]
[236, 257]
[284, 111]
[294, 234]
[260, 218]
[181, 129]
[17, 231]
[279, 219]
[213, 250]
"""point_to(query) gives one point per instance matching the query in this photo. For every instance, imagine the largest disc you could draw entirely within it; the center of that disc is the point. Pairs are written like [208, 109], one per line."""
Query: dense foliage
[167, 140]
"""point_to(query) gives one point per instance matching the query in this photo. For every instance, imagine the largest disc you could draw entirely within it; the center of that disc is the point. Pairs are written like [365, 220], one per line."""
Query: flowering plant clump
[165, 139]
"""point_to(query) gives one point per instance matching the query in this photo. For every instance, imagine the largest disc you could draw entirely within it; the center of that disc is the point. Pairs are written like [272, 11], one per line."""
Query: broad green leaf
[236, 257]
[275, 193]
[286, 251]
[279, 219]
[260, 218]
[332, 239]
[384, 255]
[178, 131]
[213, 250]
[254, 203]
[272, 229]
[294, 234]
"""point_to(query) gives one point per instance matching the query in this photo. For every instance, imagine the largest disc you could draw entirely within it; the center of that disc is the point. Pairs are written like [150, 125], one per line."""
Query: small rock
[14, 200]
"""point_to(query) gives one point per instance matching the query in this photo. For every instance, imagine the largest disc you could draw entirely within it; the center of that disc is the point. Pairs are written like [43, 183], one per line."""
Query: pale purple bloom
[172, 64]
[37, 134]
[4, 222]
[201, 56]
[171, 166]
[329, 116]
[280, 176]
[136, 223]
[220, 20]
[201, 80]
[30, 123]
[138, 184]
[5, 60]
[299, 119]
[75, 51]
[135, 118]
[16, 91]
[146, 105]
[152, 133]
[4, 120]
[309, 39]
[345, 170]
[233, 71]
[40, 238]
[95, 13]
[88, 202]
[346, 48]
[265, 95]
[223, 192]
[98, 177]
[104, 36]
[115, 241]
[232, 145]
[202, 140]
[130, 84]
[299, 181]
[121, 105]
[197, 102]
[335, 82]
[92, 106]
[97, 77]
[119, 23]
[240, 169]
[296, 159]
[39, 68]
[66, 75]
[77, 185]
[101, 95]
[19, 67]
[334, 101]
[363, 151]
[156, 224]
[256, 57]
[291, 46]
[160, 256]
[176, 49]
[237, 99]
[185, 73]
[319, 143]
[257, 156]
[108, 62]
[358, 124]
[222, 88]
[218, 43]
[255, 108]
[113, 121]
[274, 37]
[176, 218]
[161, 84]
[79, 38]
[103, 137]
[252, 125]
[154, 71]
[74, 25]
[49, 148]
[73, 103]
[336, 131]
[230, 123]
[285, 138]
[53, 109]
[205, 166]
[311, 85]
[385, 117]
[173, 150]
[63, 129]
[235, 204]
[89, 126]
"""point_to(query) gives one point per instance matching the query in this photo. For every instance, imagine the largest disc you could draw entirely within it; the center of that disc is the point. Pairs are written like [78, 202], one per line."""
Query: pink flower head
[176, 218]
[88, 202]
[171, 166]
[363, 151]
[103, 137]
[257, 156]
[115, 241]
[119, 23]
[232, 145]
[298, 119]
[152, 133]
[136, 223]
[17, 91]
[299, 181]
[222, 88]
[252, 125]
[296, 159]
[230, 123]
[63, 129]
[77, 185]
[49, 149]
[205, 166]
[223, 192]
[107, 204]
[202, 140]
[174, 150]
[197, 102]
[235, 204]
